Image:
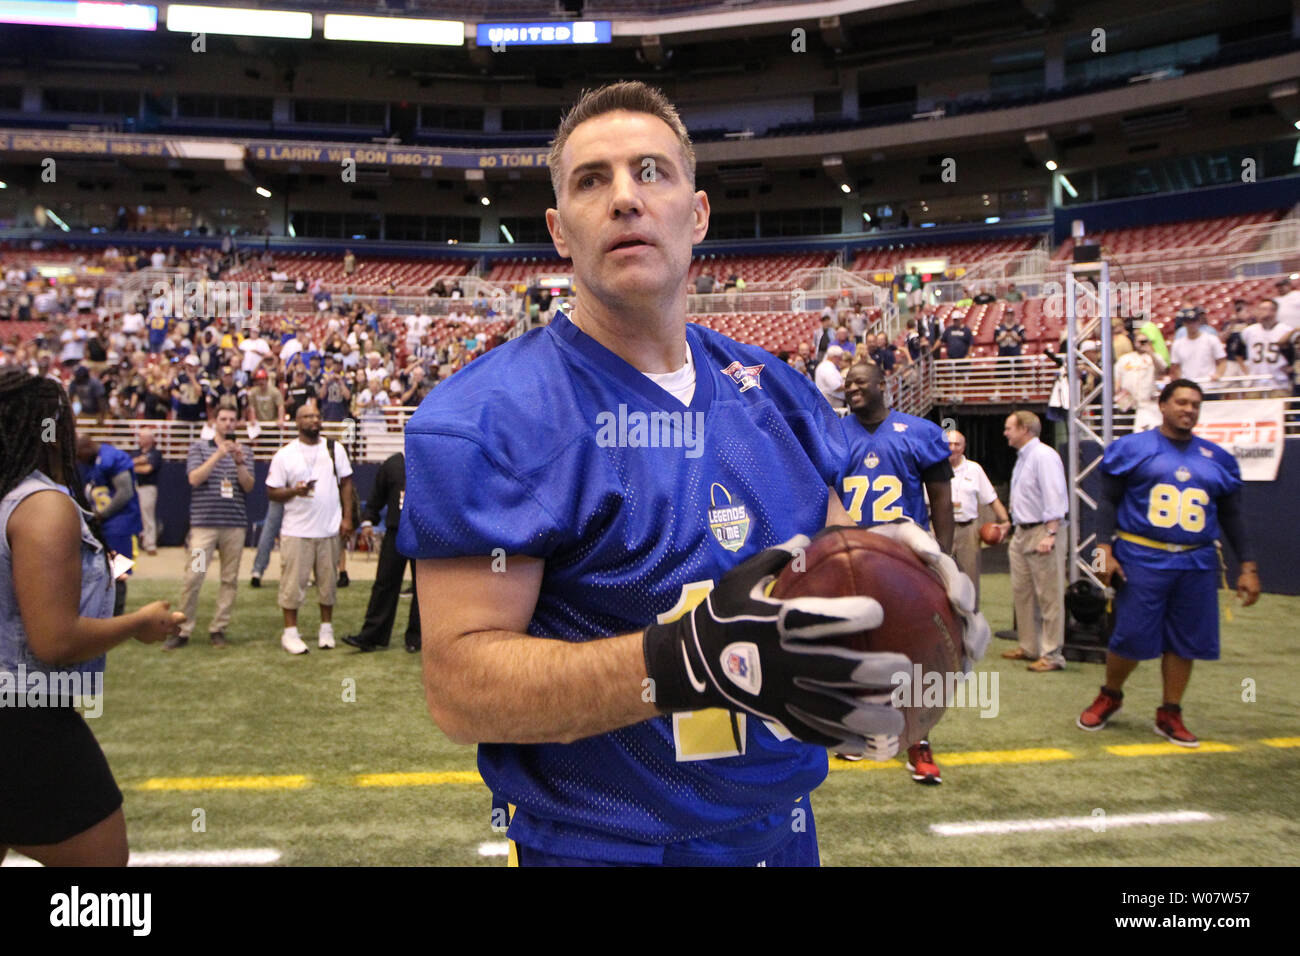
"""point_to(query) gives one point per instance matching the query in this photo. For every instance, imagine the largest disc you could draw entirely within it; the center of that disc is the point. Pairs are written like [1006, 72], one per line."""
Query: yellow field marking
[285, 782]
[838, 764]
[416, 779]
[1157, 750]
[955, 759]
[1033, 755]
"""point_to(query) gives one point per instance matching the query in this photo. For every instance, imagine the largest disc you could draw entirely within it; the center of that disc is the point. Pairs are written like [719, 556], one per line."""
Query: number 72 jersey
[1170, 494]
[882, 477]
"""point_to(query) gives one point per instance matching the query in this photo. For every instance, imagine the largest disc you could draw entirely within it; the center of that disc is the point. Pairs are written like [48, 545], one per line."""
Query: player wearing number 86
[1166, 496]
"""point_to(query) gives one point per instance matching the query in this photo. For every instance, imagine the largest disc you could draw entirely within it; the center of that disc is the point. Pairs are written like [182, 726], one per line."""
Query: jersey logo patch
[900, 426]
[871, 461]
[1182, 474]
[1207, 453]
[729, 520]
[746, 376]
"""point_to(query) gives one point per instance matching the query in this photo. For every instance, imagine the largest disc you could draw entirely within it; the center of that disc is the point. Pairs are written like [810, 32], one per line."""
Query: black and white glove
[975, 633]
[742, 650]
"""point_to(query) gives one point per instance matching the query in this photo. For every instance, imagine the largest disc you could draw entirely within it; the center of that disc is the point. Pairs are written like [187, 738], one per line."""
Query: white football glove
[961, 592]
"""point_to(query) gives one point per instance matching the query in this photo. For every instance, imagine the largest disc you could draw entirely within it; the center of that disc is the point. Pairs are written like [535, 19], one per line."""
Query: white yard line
[1098, 822]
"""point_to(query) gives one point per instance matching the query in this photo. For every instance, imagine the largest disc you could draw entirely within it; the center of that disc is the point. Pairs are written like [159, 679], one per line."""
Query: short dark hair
[632, 96]
[1167, 392]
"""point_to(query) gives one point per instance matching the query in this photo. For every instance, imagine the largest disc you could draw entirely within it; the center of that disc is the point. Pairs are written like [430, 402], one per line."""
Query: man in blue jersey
[1166, 496]
[596, 510]
[109, 477]
[894, 462]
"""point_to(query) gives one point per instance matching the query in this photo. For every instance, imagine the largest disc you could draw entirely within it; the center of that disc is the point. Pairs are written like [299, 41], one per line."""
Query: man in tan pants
[313, 478]
[1039, 503]
[221, 475]
[971, 488]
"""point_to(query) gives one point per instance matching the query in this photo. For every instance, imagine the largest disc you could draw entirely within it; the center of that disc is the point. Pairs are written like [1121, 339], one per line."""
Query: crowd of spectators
[143, 360]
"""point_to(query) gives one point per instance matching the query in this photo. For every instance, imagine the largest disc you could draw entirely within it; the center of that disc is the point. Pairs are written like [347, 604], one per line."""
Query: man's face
[1015, 433]
[226, 419]
[1183, 410]
[627, 213]
[308, 420]
[863, 387]
[956, 447]
[1267, 312]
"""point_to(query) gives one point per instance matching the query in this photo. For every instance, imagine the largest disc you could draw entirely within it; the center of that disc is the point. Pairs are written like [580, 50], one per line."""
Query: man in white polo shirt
[970, 489]
[317, 497]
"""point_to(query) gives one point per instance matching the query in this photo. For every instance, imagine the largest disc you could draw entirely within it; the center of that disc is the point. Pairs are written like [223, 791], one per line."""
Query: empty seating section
[525, 268]
[774, 331]
[774, 268]
[1172, 235]
[888, 258]
[372, 272]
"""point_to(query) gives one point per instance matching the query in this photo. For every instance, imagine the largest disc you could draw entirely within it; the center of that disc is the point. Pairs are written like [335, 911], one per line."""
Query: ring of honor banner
[1252, 430]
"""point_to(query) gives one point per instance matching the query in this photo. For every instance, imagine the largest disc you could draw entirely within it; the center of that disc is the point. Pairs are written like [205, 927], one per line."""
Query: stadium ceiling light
[1295, 159]
[989, 220]
[240, 22]
[485, 201]
[3, 184]
[506, 232]
[845, 188]
[264, 192]
[1069, 187]
[69, 13]
[346, 26]
[1051, 164]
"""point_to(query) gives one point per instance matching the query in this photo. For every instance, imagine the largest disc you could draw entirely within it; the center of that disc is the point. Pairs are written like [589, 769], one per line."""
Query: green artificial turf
[251, 709]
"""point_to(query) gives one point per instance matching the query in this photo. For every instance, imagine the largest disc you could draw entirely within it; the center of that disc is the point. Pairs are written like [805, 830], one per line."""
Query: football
[991, 533]
[918, 620]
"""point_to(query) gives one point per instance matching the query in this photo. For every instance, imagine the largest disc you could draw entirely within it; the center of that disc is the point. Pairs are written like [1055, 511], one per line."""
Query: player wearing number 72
[1166, 495]
[894, 462]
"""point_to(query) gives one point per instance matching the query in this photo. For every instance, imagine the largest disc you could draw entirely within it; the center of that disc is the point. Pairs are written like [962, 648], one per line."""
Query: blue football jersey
[98, 478]
[881, 480]
[552, 446]
[1170, 495]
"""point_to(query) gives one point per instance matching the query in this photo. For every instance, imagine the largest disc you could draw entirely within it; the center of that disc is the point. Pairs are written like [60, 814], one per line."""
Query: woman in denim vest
[59, 803]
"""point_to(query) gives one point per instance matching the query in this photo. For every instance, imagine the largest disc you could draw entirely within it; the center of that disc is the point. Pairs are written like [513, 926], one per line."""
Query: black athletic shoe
[255, 581]
[343, 579]
[365, 647]
[413, 643]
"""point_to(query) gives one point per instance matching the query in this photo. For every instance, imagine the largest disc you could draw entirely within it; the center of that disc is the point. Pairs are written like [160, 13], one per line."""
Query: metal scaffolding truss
[1094, 292]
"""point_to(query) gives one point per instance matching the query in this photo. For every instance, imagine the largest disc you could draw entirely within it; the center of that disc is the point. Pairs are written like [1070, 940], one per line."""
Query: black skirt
[54, 779]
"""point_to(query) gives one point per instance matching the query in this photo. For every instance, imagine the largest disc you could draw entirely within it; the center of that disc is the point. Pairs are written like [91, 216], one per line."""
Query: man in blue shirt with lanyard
[597, 509]
[1166, 495]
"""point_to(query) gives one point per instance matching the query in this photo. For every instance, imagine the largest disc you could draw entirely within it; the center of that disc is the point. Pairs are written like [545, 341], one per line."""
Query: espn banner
[1252, 430]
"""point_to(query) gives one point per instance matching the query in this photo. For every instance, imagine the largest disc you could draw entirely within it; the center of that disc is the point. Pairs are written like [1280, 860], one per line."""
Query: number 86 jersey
[1170, 496]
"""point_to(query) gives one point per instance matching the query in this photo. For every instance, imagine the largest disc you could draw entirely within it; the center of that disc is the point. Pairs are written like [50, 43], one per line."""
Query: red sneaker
[920, 761]
[1169, 724]
[1100, 711]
